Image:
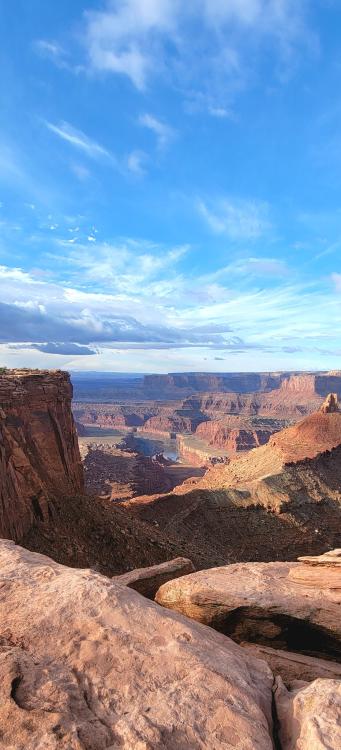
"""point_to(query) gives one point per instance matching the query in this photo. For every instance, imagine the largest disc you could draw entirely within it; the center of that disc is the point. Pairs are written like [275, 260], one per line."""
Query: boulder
[309, 718]
[292, 606]
[148, 580]
[87, 663]
[291, 666]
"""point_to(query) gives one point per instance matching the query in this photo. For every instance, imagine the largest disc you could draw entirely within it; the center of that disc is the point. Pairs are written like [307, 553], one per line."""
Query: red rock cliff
[39, 455]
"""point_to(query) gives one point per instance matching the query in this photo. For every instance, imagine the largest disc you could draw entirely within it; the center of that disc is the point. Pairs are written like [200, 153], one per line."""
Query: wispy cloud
[144, 40]
[132, 295]
[163, 132]
[136, 162]
[128, 266]
[51, 50]
[239, 219]
[80, 141]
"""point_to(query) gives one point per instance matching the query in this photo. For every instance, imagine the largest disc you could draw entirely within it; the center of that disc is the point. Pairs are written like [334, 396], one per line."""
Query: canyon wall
[237, 382]
[39, 455]
[235, 437]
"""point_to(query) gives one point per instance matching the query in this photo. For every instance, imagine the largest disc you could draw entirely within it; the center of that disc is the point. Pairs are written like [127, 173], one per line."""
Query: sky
[170, 178]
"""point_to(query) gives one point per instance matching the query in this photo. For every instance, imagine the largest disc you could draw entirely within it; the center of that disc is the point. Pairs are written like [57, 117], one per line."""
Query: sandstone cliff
[39, 456]
[42, 500]
[237, 433]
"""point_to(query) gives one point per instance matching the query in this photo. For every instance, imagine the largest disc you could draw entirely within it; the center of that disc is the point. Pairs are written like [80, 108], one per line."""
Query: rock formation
[236, 433]
[291, 666]
[274, 513]
[87, 663]
[330, 405]
[196, 382]
[317, 433]
[42, 499]
[147, 581]
[286, 605]
[309, 718]
[39, 456]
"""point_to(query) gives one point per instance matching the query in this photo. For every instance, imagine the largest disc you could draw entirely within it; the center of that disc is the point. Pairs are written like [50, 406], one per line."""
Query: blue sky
[170, 181]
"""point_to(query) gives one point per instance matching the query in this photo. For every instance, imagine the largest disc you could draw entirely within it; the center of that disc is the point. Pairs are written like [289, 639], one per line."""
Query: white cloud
[135, 162]
[79, 140]
[127, 267]
[163, 132]
[238, 219]
[120, 38]
[210, 45]
[131, 295]
[52, 50]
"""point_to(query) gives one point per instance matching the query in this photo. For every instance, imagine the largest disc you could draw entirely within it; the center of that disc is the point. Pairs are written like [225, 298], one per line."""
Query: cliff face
[39, 455]
[236, 382]
[237, 433]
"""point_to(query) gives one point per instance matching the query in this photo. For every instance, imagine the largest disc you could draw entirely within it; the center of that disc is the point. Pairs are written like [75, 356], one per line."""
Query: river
[147, 444]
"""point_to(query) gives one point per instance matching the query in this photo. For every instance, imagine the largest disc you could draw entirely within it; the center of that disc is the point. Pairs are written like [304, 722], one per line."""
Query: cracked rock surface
[87, 663]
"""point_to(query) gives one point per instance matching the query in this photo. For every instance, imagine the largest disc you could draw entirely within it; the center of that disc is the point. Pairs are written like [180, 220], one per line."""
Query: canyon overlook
[216, 545]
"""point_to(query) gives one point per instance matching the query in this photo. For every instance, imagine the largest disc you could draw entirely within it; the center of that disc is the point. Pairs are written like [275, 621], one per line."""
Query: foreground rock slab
[309, 717]
[86, 663]
[292, 606]
[148, 580]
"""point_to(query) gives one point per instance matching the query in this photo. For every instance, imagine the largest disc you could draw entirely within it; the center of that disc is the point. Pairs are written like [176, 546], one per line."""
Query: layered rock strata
[39, 456]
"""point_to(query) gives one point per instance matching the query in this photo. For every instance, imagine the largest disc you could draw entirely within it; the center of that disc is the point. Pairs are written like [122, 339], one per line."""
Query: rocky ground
[118, 670]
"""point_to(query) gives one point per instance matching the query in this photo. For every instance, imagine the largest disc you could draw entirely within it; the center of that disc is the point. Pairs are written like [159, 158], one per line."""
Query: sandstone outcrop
[237, 433]
[87, 663]
[148, 580]
[309, 718]
[39, 456]
[315, 434]
[283, 605]
[330, 405]
[292, 667]
[331, 558]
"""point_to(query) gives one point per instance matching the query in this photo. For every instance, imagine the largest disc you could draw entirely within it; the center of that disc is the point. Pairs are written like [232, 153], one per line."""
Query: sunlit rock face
[39, 455]
[87, 663]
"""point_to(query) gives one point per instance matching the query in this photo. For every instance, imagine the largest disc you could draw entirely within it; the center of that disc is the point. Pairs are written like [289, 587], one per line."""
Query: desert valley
[170, 561]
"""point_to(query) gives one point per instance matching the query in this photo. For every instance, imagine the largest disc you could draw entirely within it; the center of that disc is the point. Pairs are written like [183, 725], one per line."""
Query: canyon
[149, 601]
[223, 419]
